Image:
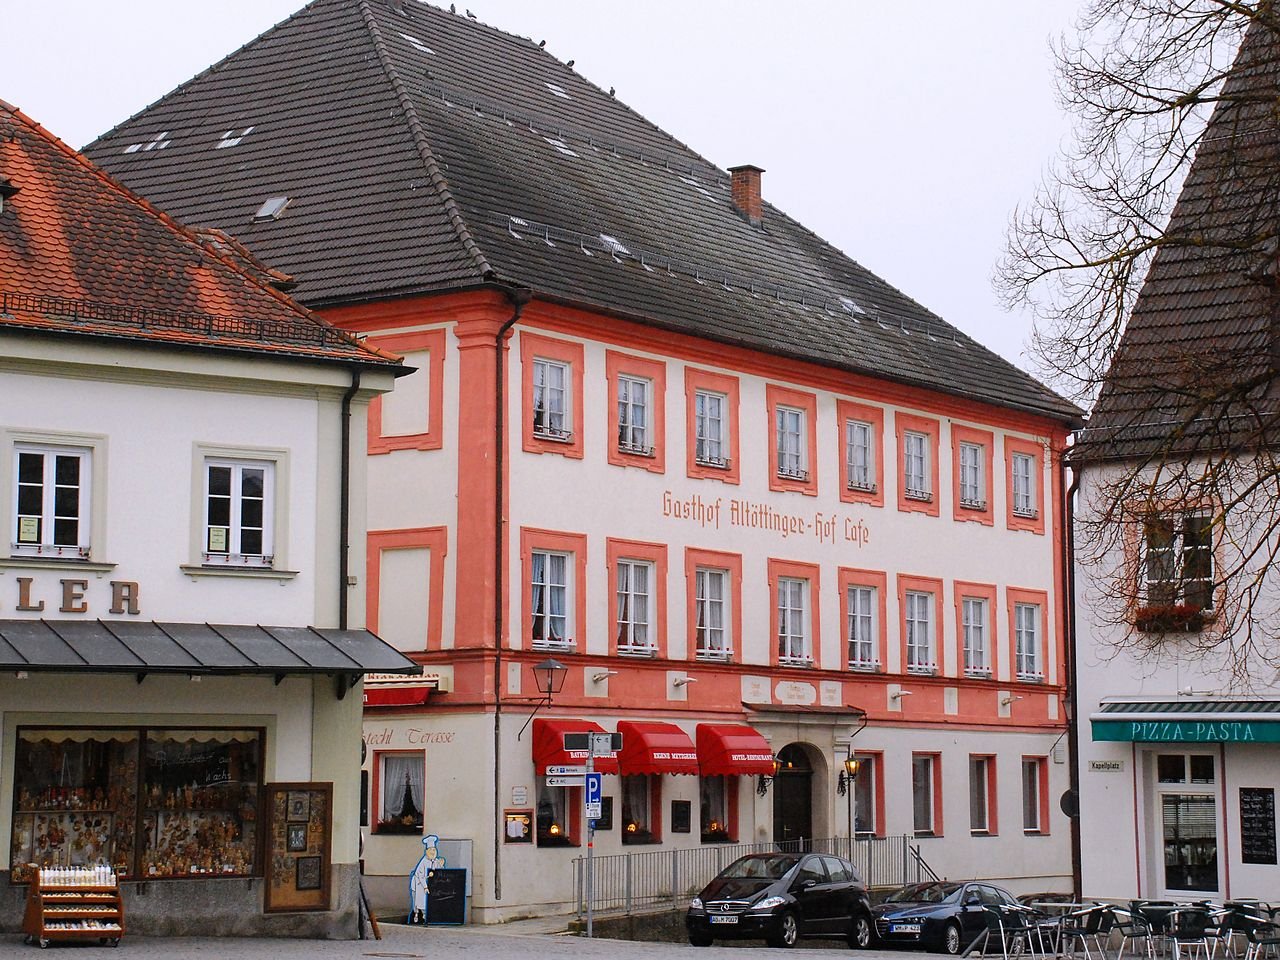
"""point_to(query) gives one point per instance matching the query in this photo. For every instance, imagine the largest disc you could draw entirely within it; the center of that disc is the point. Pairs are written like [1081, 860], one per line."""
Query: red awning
[401, 695]
[549, 751]
[731, 749]
[656, 748]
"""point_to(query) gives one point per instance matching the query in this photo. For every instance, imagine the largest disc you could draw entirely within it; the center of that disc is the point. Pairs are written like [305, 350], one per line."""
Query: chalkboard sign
[1257, 825]
[681, 816]
[446, 897]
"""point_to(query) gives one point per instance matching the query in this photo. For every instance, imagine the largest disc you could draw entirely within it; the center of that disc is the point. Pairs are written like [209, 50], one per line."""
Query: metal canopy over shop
[548, 745]
[1132, 720]
[656, 748]
[144, 647]
[733, 750]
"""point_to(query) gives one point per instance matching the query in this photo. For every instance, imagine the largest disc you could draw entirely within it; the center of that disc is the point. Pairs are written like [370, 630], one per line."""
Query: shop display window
[552, 822]
[714, 816]
[148, 803]
[400, 792]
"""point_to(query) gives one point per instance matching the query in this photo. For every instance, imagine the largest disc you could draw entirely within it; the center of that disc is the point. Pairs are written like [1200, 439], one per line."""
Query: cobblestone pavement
[405, 943]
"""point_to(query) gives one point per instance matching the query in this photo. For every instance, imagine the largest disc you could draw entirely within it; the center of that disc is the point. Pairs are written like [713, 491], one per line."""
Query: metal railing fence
[626, 882]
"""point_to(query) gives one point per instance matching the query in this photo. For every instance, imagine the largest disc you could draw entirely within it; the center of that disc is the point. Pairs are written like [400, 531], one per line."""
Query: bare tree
[1149, 257]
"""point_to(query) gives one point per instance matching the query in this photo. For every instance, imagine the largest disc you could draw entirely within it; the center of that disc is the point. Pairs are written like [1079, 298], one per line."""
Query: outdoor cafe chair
[1264, 940]
[1008, 926]
[1189, 932]
[1092, 923]
[1134, 930]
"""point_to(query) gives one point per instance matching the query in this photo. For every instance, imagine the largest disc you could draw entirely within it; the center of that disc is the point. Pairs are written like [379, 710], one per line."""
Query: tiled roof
[80, 254]
[423, 151]
[1194, 370]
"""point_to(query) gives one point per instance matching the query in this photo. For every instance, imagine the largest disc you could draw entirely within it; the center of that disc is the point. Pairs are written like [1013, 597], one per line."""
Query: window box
[978, 673]
[404, 825]
[719, 656]
[563, 645]
[861, 487]
[718, 463]
[793, 474]
[557, 434]
[973, 504]
[635, 449]
[1169, 618]
[865, 667]
[924, 669]
[924, 496]
[795, 661]
[636, 650]
[1027, 513]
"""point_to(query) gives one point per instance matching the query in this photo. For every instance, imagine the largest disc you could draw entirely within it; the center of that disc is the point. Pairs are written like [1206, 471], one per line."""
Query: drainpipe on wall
[1073, 714]
[344, 497]
[519, 298]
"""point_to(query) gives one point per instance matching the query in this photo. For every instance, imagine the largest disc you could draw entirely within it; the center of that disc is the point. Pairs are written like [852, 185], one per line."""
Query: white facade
[1162, 805]
[148, 421]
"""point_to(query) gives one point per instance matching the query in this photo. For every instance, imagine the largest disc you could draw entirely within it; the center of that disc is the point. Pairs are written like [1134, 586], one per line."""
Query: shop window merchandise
[148, 803]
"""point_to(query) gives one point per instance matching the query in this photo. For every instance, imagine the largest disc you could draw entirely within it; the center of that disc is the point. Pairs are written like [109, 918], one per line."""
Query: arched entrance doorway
[793, 796]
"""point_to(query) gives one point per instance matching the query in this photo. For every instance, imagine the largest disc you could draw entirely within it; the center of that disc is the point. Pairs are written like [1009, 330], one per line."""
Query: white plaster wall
[1119, 858]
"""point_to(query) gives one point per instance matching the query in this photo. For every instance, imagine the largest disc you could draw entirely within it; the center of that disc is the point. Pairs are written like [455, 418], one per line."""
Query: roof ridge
[423, 146]
[203, 249]
[212, 68]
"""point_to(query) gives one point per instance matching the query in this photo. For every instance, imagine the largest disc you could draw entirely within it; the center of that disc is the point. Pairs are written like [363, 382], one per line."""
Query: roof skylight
[158, 142]
[232, 139]
[560, 146]
[271, 208]
[558, 90]
[418, 44]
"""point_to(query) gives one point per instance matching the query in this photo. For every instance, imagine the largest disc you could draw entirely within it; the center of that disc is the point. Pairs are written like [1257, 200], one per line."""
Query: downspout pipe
[344, 499]
[519, 297]
[1073, 711]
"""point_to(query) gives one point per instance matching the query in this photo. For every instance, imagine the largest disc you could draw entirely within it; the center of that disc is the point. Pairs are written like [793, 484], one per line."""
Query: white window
[637, 808]
[920, 631]
[979, 791]
[52, 501]
[793, 621]
[712, 429]
[973, 620]
[915, 466]
[1031, 773]
[551, 599]
[1178, 560]
[551, 400]
[1026, 633]
[1024, 487]
[922, 792]
[635, 579]
[711, 600]
[633, 415]
[973, 479]
[239, 512]
[792, 456]
[860, 455]
[400, 795]
[862, 628]
[864, 797]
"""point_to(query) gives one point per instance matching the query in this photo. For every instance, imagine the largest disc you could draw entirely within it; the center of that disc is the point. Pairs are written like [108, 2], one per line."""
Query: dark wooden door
[793, 799]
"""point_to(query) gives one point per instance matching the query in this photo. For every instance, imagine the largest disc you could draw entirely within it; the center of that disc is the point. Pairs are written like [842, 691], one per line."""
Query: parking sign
[591, 795]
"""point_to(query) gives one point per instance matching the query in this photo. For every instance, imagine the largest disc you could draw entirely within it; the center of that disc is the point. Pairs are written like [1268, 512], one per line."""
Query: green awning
[1215, 720]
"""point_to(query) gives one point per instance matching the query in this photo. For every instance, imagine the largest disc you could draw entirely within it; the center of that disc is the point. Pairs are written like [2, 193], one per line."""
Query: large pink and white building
[758, 502]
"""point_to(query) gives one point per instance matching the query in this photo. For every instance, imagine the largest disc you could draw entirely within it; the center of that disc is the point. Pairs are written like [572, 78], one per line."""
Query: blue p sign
[594, 788]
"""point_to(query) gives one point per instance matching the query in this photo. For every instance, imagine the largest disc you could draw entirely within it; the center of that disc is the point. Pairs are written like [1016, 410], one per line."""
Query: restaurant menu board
[447, 896]
[299, 841]
[1257, 825]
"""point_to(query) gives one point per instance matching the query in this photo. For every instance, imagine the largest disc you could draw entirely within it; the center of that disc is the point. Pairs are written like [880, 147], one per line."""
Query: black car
[940, 915]
[781, 897]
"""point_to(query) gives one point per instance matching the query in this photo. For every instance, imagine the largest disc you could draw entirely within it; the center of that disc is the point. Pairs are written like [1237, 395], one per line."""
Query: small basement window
[272, 208]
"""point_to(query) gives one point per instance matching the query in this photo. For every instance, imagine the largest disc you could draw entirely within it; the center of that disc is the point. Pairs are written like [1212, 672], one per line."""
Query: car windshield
[766, 866]
[925, 893]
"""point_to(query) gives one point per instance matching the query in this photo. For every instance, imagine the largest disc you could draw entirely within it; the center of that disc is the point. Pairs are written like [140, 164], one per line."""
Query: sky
[904, 134]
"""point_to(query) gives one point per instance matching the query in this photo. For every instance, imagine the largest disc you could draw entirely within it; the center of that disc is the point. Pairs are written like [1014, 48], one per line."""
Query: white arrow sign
[565, 781]
[566, 771]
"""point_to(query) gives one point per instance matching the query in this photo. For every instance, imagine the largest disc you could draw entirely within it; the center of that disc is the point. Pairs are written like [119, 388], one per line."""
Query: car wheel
[786, 933]
[951, 939]
[860, 932]
[700, 939]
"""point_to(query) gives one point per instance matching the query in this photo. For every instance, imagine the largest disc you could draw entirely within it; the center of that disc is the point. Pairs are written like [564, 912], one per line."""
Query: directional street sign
[575, 770]
[564, 781]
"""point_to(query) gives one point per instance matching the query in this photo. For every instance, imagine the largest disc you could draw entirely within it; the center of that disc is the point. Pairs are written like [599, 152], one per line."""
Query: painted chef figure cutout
[431, 860]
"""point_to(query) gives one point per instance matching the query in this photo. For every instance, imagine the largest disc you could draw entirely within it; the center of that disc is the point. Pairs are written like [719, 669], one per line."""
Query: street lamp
[762, 781]
[848, 775]
[548, 677]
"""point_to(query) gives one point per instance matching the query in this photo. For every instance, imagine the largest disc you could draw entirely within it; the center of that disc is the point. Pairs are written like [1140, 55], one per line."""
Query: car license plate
[723, 919]
[904, 928]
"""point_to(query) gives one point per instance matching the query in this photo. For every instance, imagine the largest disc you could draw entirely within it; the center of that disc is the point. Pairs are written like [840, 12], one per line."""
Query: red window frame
[534, 346]
[432, 438]
[986, 440]
[655, 371]
[1035, 451]
[656, 554]
[695, 380]
[905, 423]
[775, 397]
[847, 410]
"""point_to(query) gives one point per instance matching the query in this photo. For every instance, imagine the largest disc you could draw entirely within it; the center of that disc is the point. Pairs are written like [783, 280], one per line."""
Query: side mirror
[973, 900]
[806, 884]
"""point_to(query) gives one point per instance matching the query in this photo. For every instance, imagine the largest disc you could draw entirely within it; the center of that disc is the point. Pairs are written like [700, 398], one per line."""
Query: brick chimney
[746, 191]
